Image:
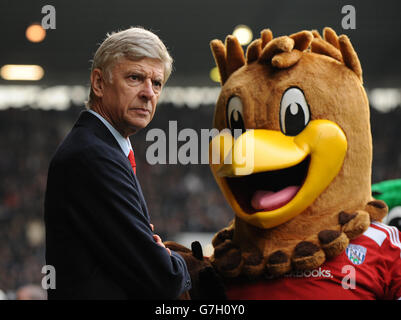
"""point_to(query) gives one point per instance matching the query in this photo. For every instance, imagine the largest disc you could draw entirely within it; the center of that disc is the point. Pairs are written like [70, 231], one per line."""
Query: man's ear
[97, 82]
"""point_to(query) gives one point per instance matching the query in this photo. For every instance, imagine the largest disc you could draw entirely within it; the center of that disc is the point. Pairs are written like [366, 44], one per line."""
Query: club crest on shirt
[356, 253]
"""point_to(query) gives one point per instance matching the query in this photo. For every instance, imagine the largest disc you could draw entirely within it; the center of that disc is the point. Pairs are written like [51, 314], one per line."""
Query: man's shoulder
[81, 145]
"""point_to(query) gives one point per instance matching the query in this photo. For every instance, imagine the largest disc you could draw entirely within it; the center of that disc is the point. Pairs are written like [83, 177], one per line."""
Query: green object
[389, 191]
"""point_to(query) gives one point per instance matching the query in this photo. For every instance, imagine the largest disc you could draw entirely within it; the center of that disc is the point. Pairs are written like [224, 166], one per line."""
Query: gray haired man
[98, 232]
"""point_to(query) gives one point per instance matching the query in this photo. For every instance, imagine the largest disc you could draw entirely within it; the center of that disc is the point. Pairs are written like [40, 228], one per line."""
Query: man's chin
[137, 125]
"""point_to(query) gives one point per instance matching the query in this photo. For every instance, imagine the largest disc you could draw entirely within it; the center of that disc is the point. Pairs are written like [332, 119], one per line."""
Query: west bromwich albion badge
[356, 253]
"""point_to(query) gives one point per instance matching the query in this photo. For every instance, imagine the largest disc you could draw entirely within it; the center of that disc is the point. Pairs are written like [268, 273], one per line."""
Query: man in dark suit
[98, 232]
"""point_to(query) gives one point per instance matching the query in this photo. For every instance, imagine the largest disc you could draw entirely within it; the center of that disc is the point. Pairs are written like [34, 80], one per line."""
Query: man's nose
[147, 89]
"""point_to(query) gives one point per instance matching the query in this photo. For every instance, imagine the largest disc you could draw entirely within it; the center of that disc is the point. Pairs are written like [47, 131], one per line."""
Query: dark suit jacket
[98, 236]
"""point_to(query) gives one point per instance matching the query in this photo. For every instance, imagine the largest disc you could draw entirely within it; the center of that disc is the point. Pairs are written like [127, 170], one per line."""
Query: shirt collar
[125, 143]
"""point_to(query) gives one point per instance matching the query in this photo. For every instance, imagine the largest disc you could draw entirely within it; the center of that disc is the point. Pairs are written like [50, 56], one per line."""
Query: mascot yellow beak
[269, 178]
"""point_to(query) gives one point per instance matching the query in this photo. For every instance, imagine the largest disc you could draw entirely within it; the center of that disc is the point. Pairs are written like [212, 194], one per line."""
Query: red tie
[131, 159]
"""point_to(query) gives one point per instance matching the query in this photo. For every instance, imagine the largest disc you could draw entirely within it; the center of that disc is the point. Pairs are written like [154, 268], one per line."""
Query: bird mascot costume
[293, 159]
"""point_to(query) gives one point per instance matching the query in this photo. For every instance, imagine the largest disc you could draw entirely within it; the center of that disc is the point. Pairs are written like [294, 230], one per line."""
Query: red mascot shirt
[370, 268]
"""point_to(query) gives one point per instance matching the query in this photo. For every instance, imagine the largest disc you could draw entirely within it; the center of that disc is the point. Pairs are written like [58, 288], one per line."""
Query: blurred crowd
[181, 198]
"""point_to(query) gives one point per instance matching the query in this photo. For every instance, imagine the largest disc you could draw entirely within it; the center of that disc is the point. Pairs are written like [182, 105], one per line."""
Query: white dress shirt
[125, 143]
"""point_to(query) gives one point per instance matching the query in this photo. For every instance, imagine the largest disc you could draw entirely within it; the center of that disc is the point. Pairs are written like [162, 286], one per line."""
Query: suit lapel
[143, 202]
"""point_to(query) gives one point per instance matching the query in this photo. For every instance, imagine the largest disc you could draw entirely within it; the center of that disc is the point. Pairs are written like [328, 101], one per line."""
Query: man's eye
[157, 84]
[135, 77]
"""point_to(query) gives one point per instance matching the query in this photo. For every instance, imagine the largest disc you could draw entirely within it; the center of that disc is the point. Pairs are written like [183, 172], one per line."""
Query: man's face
[129, 101]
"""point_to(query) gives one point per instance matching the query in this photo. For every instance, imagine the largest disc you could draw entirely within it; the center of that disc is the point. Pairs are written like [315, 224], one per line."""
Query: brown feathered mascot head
[293, 157]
